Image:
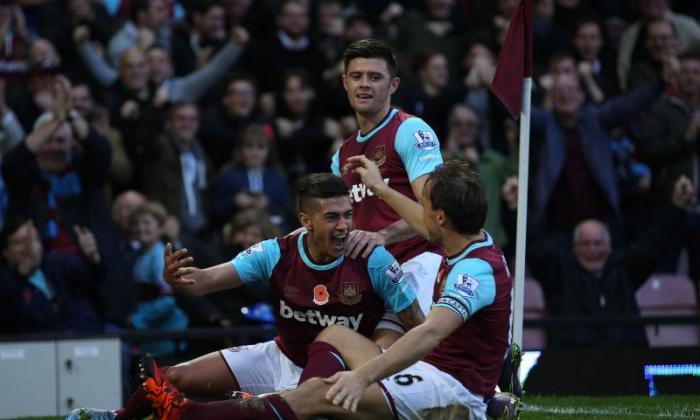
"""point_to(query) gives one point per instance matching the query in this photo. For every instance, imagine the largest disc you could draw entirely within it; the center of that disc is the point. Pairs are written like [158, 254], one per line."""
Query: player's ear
[395, 82]
[345, 86]
[440, 217]
[305, 220]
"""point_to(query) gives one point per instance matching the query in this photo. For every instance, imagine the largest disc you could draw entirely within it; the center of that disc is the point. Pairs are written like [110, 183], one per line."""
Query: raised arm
[195, 281]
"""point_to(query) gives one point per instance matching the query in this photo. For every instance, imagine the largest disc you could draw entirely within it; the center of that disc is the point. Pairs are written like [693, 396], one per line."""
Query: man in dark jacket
[46, 293]
[597, 281]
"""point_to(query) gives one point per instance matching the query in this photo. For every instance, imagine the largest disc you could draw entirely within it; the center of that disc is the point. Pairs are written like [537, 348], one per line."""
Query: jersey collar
[363, 138]
[487, 241]
[311, 264]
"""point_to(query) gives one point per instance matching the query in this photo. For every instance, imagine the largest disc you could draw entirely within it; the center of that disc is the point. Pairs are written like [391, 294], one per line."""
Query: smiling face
[592, 245]
[328, 222]
[369, 85]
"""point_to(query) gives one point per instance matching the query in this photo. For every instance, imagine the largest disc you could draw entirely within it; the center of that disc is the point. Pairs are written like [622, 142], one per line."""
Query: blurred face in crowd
[159, 66]
[592, 245]
[157, 14]
[148, 230]
[588, 41]
[54, 154]
[661, 41]
[563, 66]
[477, 51]
[123, 207]
[255, 153]
[463, 126]
[237, 9]
[185, 123]
[297, 95]
[211, 23]
[567, 96]
[358, 29]
[239, 98]
[133, 70]
[689, 78]
[293, 19]
[440, 9]
[247, 237]
[330, 18]
[506, 7]
[82, 99]
[24, 248]
[435, 71]
[653, 8]
[369, 85]
[42, 50]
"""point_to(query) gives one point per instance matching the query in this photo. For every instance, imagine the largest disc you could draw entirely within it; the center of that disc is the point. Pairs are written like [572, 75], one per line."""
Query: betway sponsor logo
[359, 191]
[316, 317]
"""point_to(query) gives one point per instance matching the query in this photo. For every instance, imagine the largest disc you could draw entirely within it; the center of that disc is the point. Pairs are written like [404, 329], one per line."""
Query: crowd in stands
[128, 123]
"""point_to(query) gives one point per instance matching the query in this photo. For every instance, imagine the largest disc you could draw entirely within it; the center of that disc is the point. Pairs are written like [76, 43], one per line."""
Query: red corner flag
[515, 59]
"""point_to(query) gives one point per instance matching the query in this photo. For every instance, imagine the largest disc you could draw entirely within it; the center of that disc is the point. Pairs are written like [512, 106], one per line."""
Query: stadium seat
[669, 294]
[534, 308]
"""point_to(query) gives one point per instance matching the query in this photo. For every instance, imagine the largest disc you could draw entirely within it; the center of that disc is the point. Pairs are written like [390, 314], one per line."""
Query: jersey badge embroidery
[350, 293]
[467, 285]
[379, 155]
[424, 140]
[320, 294]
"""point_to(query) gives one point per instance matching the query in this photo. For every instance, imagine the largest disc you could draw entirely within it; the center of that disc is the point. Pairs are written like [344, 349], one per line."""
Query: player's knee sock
[269, 407]
[138, 406]
[324, 360]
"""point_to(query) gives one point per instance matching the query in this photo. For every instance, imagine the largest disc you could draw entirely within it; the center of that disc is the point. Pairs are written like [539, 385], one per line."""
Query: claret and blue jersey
[404, 148]
[476, 285]
[308, 297]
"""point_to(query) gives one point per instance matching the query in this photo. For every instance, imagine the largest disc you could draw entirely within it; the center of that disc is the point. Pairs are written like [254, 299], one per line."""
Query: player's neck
[367, 122]
[453, 242]
[316, 254]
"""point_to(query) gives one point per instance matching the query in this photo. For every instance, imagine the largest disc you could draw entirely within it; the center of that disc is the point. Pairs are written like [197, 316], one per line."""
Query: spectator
[207, 34]
[156, 309]
[291, 46]
[431, 98]
[178, 173]
[253, 181]
[686, 29]
[304, 137]
[660, 46]
[223, 122]
[14, 40]
[56, 177]
[598, 281]
[120, 167]
[148, 24]
[11, 134]
[42, 292]
[588, 45]
[570, 182]
[670, 143]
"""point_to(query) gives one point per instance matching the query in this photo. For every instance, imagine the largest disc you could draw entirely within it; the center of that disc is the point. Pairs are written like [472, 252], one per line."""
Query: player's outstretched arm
[409, 210]
[178, 273]
[348, 387]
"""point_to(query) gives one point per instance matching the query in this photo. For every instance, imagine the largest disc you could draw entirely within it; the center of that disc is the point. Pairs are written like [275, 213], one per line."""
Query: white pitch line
[689, 413]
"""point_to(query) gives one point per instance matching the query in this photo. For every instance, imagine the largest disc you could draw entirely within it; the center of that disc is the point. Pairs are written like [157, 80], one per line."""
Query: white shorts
[261, 368]
[422, 391]
[421, 271]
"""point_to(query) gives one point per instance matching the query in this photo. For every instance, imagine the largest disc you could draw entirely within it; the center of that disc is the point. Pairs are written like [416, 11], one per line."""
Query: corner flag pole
[521, 230]
[512, 85]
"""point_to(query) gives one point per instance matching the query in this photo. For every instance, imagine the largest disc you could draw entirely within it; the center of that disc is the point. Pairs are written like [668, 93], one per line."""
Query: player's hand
[367, 170]
[362, 241]
[347, 389]
[87, 243]
[176, 266]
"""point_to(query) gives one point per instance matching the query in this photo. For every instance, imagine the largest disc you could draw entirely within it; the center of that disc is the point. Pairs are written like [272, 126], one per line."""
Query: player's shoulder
[415, 131]
[380, 256]
[474, 267]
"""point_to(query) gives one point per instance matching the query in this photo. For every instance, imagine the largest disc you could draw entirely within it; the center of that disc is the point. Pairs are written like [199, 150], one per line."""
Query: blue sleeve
[389, 281]
[335, 163]
[257, 262]
[418, 147]
[470, 286]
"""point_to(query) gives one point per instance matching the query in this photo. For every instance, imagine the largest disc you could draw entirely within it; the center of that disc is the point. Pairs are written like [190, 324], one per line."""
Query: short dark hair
[455, 189]
[150, 208]
[371, 48]
[10, 228]
[319, 186]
